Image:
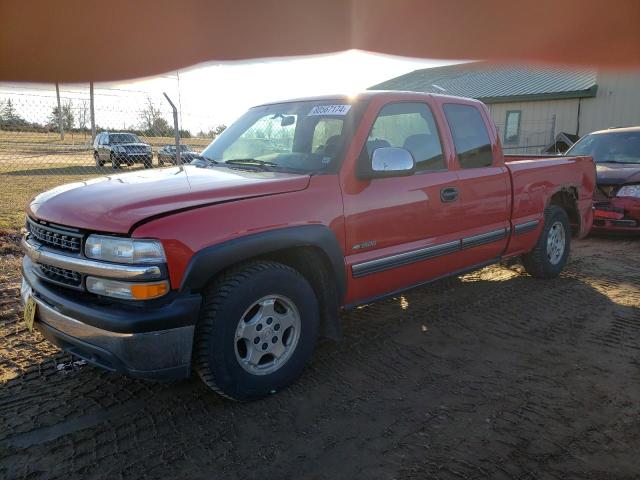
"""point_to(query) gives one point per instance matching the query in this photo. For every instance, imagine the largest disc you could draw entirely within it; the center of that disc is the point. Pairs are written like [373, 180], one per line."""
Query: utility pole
[179, 97]
[93, 114]
[175, 129]
[59, 112]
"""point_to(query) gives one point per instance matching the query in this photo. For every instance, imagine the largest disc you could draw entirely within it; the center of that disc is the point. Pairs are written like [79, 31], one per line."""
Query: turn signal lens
[149, 290]
[126, 290]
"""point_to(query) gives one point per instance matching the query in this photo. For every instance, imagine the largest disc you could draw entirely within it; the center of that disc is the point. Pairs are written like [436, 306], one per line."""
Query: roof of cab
[617, 130]
[351, 98]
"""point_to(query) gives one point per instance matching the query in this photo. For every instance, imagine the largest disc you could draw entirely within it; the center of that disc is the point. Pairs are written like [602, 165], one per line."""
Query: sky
[213, 94]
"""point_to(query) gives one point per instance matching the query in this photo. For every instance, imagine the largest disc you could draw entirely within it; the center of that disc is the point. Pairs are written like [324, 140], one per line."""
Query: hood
[132, 145]
[115, 203]
[618, 173]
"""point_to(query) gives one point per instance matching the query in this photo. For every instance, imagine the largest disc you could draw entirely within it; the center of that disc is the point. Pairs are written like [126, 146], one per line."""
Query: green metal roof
[496, 84]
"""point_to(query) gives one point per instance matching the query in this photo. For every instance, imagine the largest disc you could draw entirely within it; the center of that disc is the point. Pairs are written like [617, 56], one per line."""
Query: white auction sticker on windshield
[329, 110]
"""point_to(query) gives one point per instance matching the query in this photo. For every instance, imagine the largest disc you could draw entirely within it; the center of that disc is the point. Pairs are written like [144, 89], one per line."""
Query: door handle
[449, 194]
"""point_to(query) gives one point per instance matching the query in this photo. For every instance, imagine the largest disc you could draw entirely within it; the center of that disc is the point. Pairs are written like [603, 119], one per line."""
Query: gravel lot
[491, 375]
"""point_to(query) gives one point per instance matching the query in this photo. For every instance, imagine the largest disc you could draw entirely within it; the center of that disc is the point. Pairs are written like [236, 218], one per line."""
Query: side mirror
[392, 162]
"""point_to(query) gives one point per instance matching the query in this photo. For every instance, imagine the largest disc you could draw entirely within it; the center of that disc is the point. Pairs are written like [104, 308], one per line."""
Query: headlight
[629, 191]
[119, 149]
[124, 250]
[126, 290]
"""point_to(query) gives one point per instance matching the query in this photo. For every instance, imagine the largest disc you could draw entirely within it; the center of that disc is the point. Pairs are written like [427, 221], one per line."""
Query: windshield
[183, 148]
[296, 136]
[614, 147]
[123, 138]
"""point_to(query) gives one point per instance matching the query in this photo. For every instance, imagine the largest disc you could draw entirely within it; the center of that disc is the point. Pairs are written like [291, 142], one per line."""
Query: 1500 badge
[367, 244]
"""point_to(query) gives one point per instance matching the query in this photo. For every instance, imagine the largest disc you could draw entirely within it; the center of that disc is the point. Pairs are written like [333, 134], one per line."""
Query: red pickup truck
[300, 209]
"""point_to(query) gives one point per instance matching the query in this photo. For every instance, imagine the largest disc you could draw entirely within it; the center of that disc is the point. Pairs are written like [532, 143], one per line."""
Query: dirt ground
[491, 375]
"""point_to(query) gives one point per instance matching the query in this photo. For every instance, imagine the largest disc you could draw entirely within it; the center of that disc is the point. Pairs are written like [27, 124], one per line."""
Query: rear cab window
[410, 126]
[470, 135]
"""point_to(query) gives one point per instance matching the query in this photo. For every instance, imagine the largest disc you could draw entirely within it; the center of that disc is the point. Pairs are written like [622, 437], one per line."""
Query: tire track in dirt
[495, 375]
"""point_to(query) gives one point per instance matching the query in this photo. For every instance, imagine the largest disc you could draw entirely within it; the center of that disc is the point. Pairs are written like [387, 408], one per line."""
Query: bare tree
[213, 132]
[150, 117]
[83, 115]
[63, 114]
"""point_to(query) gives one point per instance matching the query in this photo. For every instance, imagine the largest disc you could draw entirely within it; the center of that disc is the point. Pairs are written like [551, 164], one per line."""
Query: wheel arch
[567, 199]
[313, 250]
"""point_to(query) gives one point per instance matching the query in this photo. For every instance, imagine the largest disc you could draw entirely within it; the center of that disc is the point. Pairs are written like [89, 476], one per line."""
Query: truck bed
[531, 191]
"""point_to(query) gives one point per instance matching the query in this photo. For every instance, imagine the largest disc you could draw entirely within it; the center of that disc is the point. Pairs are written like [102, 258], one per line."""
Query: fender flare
[213, 259]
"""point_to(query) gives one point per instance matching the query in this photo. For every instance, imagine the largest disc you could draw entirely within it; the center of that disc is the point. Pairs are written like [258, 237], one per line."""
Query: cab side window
[410, 126]
[470, 135]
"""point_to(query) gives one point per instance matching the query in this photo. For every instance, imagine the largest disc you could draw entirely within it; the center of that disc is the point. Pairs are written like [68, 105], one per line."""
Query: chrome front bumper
[160, 354]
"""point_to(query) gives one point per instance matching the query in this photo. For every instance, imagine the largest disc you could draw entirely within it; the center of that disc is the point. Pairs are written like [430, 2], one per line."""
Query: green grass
[21, 181]
[31, 141]
[31, 163]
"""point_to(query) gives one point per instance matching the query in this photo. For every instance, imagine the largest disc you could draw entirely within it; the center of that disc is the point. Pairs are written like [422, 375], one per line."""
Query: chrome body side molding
[525, 227]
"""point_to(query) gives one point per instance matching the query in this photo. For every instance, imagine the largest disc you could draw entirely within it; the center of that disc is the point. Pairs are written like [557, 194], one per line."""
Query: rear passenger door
[399, 230]
[483, 182]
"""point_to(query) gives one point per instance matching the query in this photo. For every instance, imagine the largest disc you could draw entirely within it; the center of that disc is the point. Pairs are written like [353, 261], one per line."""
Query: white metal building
[533, 106]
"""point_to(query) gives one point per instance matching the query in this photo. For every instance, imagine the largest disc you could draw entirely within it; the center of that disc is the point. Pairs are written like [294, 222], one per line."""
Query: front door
[401, 231]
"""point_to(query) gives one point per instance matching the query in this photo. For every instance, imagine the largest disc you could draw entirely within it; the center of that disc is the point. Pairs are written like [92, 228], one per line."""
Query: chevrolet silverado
[299, 210]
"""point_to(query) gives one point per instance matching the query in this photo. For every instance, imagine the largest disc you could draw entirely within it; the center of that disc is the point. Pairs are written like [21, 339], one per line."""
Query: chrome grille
[136, 149]
[61, 275]
[54, 237]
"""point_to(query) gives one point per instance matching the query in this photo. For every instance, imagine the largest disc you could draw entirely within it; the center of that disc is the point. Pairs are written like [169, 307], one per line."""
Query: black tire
[115, 163]
[148, 164]
[96, 157]
[160, 161]
[538, 262]
[225, 303]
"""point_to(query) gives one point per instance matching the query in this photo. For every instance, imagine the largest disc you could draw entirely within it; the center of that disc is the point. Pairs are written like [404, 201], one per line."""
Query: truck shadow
[433, 365]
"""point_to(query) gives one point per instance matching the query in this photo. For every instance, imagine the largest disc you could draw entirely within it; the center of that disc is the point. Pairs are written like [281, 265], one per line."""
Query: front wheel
[115, 163]
[549, 256]
[96, 158]
[257, 330]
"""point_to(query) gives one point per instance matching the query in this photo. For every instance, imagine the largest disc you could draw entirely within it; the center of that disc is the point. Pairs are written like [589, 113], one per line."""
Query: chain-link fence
[532, 136]
[47, 139]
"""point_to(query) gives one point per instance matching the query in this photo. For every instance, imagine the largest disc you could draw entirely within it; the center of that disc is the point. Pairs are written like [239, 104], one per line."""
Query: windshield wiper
[251, 162]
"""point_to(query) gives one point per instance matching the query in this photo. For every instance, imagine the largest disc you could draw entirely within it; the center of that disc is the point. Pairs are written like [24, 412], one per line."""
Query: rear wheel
[257, 330]
[160, 161]
[549, 256]
[148, 163]
[96, 157]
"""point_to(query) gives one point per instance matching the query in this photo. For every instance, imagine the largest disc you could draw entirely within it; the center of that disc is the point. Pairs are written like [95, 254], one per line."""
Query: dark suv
[121, 149]
[168, 154]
